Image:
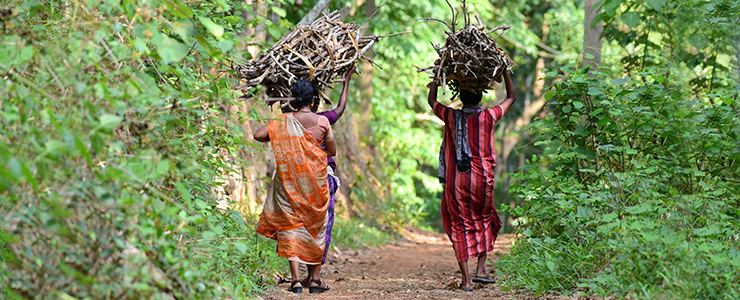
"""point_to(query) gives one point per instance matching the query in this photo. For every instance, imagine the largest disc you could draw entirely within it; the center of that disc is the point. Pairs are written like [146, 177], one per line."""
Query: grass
[356, 233]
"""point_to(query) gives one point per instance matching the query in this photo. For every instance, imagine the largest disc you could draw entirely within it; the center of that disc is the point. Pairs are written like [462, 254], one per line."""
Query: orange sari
[295, 211]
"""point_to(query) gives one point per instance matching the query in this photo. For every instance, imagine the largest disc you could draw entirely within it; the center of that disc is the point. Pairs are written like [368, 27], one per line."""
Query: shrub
[637, 191]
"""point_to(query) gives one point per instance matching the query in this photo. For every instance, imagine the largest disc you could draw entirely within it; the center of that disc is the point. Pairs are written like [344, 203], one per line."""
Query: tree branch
[315, 12]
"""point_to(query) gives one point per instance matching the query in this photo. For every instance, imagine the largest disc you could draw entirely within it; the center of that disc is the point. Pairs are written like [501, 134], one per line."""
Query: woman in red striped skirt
[467, 162]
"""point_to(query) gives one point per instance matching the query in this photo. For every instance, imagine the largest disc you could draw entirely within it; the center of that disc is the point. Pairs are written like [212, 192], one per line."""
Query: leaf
[237, 217]
[279, 11]
[208, 234]
[719, 192]
[550, 265]
[226, 45]
[15, 169]
[567, 109]
[241, 247]
[656, 4]
[594, 91]
[619, 81]
[578, 104]
[80, 145]
[223, 5]
[213, 28]
[26, 54]
[631, 18]
[706, 231]
[179, 9]
[598, 18]
[549, 95]
[609, 217]
[53, 147]
[274, 32]
[651, 170]
[610, 6]
[145, 83]
[581, 130]
[163, 167]
[109, 121]
[698, 40]
[65, 296]
[171, 50]
[184, 28]
[184, 193]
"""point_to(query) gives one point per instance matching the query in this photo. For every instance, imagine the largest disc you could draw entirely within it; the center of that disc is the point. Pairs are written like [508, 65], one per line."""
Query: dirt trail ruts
[421, 265]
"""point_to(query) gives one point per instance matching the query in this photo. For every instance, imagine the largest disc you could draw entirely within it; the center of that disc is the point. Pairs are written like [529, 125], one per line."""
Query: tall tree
[592, 33]
[315, 12]
[366, 81]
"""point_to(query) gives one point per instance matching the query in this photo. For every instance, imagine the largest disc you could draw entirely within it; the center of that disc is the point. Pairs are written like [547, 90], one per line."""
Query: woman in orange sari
[295, 212]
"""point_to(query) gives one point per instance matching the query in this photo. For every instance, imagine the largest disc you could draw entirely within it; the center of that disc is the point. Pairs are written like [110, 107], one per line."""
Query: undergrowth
[639, 196]
[114, 122]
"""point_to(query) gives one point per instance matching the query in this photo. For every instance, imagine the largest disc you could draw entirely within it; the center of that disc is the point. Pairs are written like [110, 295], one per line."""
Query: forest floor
[420, 265]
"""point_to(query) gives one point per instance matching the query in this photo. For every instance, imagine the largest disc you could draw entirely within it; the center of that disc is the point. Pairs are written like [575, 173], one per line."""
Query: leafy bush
[639, 195]
[114, 123]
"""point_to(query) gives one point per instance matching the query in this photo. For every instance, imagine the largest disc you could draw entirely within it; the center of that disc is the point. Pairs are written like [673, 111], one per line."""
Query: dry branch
[319, 52]
[470, 59]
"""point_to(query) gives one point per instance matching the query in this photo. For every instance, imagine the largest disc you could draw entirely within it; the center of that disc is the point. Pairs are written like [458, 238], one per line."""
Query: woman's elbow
[261, 138]
[331, 153]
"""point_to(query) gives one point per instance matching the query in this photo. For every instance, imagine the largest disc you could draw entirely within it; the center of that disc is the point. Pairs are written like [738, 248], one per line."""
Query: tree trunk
[315, 12]
[244, 188]
[737, 52]
[366, 81]
[592, 35]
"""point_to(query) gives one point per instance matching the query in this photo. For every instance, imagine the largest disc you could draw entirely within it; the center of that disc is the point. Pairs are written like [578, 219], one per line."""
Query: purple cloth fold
[329, 225]
[333, 185]
[333, 118]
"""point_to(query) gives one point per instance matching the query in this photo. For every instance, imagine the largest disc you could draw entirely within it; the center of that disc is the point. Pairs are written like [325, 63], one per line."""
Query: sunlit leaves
[213, 28]
[278, 10]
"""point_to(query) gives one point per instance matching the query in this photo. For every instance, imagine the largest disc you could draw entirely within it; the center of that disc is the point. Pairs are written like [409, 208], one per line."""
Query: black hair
[304, 94]
[469, 97]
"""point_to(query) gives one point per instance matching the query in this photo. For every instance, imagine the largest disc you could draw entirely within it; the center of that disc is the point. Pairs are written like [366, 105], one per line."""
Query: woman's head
[304, 94]
[469, 97]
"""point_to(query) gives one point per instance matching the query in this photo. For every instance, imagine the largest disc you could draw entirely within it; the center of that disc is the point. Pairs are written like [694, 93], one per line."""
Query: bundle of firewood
[470, 58]
[319, 52]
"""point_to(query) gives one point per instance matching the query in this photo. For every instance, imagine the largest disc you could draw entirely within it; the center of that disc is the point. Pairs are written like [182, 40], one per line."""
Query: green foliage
[356, 233]
[636, 191]
[640, 193]
[699, 35]
[113, 121]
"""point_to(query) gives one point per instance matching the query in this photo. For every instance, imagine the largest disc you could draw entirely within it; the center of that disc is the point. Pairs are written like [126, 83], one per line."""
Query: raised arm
[262, 134]
[343, 97]
[510, 93]
[432, 98]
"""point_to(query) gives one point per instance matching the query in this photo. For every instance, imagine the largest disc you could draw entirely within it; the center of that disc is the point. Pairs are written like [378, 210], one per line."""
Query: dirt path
[419, 266]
